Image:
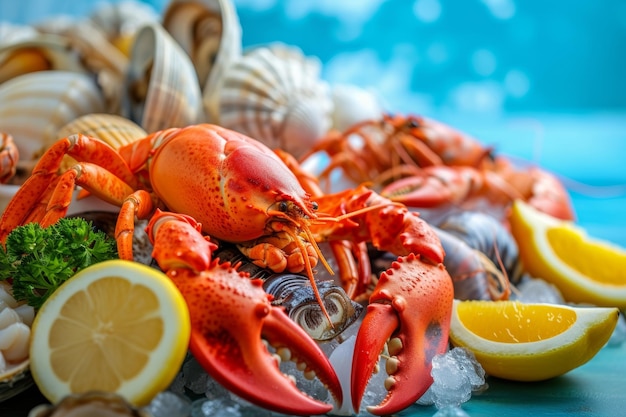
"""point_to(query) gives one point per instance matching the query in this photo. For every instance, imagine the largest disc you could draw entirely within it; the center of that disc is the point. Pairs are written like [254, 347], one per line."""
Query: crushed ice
[456, 375]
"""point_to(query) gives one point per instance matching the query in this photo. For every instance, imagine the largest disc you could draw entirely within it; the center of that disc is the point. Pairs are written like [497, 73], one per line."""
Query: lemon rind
[545, 359]
[576, 287]
[163, 363]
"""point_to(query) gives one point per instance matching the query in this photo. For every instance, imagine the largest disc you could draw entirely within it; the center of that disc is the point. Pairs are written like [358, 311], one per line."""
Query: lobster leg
[230, 314]
[411, 307]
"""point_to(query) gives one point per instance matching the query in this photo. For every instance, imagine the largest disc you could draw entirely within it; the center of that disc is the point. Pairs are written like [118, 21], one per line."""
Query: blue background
[539, 80]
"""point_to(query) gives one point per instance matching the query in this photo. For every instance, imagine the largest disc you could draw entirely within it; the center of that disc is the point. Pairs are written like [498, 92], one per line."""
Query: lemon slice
[117, 326]
[530, 342]
[584, 269]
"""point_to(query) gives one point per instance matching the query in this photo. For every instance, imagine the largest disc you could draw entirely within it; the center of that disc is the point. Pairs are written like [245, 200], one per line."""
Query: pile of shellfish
[184, 66]
[125, 71]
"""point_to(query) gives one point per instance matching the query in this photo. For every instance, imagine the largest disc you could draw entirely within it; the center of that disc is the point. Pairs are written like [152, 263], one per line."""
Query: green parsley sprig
[38, 260]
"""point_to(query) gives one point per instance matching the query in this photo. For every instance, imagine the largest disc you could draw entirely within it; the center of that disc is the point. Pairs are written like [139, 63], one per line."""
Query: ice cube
[456, 374]
[535, 290]
[619, 334]
[220, 407]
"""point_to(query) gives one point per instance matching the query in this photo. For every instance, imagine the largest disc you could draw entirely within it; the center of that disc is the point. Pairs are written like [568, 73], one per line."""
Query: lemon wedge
[117, 326]
[530, 342]
[584, 269]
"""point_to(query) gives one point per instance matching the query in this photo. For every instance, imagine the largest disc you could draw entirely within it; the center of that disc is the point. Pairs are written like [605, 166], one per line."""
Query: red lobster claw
[230, 314]
[411, 305]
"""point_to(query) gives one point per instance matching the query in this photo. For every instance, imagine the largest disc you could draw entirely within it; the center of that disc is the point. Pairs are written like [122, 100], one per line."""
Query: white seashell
[38, 53]
[98, 56]
[14, 345]
[353, 105]
[161, 84]
[11, 33]
[120, 21]
[275, 95]
[33, 107]
[210, 32]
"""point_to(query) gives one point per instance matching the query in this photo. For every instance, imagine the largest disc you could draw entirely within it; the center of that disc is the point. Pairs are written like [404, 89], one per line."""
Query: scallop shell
[161, 84]
[210, 32]
[34, 106]
[275, 94]
[115, 130]
[10, 32]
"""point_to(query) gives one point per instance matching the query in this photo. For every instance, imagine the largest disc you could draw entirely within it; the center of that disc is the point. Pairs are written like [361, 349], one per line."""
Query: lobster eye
[283, 206]
[314, 206]
[413, 123]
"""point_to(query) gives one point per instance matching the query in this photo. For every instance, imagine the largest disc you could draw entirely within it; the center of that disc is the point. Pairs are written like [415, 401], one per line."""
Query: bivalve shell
[34, 106]
[275, 94]
[210, 32]
[162, 87]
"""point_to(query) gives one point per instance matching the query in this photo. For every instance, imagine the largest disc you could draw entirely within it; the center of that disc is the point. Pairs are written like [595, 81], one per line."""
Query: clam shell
[34, 106]
[275, 94]
[119, 22]
[161, 84]
[38, 52]
[15, 380]
[115, 130]
[98, 56]
[210, 32]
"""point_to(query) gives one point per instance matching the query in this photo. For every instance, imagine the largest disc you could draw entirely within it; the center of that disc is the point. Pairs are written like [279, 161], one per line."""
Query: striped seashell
[113, 129]
[210, 32]
[161, 84]
[34, 106]
[275, 94]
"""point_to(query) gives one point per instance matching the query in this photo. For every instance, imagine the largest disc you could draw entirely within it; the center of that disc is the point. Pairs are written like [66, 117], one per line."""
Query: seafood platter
[282, 218]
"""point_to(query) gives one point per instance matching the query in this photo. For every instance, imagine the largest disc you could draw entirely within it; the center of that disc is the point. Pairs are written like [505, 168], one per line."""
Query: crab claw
[411, 307]
[230, 314]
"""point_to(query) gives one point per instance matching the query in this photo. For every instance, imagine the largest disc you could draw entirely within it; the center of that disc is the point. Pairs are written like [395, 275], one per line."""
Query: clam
[38, 52]
[89, 404]
[10, 32]
[120, 21]
[113, 129]
[98, 56]
[210, 32]
[161, 84]
[275, 94]
[15, 321]
[34, 106]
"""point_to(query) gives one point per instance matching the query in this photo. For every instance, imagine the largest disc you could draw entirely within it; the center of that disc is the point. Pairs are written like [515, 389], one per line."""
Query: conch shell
[275, 94]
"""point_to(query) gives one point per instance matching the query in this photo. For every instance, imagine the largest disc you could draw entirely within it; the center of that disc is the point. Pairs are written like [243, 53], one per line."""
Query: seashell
[11, 33]
[98, 56]
[354, 104]
[40, 52]
[161, 84]
[9, 155]
[115, 130]
[15, 321]
[210, 32]
[295, 294]
[90, 404]
[34, 106]
[274, 94]
[119, 22]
